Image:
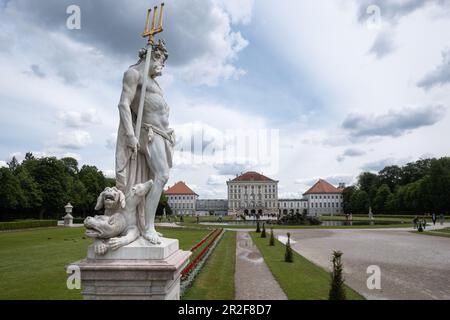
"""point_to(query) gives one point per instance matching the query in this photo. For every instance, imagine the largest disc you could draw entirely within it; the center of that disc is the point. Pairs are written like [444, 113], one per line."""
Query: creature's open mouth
[109, 197]
[93, 232]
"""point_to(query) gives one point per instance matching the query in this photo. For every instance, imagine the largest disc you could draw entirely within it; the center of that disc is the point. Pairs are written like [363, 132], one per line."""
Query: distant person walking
[424, 223]
[416, 222]
[434, 218]
[442, 218]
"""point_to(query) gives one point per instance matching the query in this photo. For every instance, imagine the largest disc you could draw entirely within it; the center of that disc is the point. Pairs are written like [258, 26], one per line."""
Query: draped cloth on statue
[124, 179]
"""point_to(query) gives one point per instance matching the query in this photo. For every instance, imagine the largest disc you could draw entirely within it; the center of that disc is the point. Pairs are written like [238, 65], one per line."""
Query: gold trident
[150, 33]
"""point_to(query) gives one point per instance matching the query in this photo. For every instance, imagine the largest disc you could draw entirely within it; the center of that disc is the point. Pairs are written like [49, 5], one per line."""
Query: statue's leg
[160, 168]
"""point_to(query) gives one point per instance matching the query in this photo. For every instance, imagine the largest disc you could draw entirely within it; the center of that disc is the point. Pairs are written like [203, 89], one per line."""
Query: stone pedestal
[68, 220]
[139, 271]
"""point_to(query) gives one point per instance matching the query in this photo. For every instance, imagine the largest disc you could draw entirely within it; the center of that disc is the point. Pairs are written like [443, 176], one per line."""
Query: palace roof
[180, 188]
[323, 187]
[252, 176]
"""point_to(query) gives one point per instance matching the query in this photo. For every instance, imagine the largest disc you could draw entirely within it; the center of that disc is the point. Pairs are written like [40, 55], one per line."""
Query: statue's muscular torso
[156, 111]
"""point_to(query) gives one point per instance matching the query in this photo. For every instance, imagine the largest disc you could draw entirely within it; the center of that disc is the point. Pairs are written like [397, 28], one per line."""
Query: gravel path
[253, 279]
[167, 225]
[413, 266]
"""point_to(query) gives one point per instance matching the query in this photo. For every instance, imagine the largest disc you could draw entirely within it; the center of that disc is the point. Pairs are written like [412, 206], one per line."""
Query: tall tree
[11, 194]
[32, 192]
[95, 183]
[71, 165]
[415, 171]
[347, 195]
[439, 185]
[381, 198]
[369, 183]
[13, 164]
[390, 176]
[163, 205]
[359, 202]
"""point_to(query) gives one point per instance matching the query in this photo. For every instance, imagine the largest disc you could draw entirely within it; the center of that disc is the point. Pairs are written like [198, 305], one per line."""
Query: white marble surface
[133, 279]
[139, 250]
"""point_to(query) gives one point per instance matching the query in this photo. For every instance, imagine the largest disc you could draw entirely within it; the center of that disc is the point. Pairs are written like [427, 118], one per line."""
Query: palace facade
[252, 193]
[212, 207]
[181, 199]
[324, 198]
[292, 206]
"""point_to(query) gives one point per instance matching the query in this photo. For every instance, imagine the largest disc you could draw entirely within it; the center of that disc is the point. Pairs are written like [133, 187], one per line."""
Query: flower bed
[204, 249]
[198, 245]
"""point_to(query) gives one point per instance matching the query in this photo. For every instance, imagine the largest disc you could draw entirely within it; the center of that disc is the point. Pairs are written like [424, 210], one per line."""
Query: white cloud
[314, 46]
[202, 43]
[394, 10]
[75, 139]
[18, 155]
[77, 119]
[240, 11]
[440, 76]
[384, 44]
[351, 153]
[109, 173]
[216, 65]
[220, 180]
[36, 70]
[376, 166]
[111, 141]
[394, 123]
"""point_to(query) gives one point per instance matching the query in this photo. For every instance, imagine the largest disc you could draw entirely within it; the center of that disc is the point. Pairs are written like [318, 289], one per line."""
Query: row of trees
[41, 187]
[416, 188]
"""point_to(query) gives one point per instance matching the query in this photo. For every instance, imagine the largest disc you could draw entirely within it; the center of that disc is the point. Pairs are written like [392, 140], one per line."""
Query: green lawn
[301, 280]
[32, 263]
[216, 280]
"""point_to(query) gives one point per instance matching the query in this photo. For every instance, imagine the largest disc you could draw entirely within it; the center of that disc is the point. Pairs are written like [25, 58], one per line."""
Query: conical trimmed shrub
[337, 290]
[263, 233]
[288, 256]
[258, 228]
[272, 239]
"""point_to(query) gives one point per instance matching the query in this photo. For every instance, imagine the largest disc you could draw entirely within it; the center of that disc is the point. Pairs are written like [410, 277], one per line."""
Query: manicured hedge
[27, 224]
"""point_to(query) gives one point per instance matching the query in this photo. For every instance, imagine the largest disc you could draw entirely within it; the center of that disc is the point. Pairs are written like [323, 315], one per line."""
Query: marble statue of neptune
[148, 157]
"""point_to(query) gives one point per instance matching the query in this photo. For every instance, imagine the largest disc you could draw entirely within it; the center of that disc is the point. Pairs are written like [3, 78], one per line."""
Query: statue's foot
[116, 243]
[152, 236]
[100, 248]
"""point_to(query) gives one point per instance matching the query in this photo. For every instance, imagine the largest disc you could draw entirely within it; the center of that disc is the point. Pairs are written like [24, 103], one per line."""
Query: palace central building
[252, 193]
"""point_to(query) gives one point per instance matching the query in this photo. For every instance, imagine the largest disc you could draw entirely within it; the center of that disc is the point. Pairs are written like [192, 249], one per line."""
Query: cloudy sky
[336, 87]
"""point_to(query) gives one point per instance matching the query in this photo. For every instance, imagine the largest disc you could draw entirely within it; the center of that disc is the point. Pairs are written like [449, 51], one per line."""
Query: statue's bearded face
[158, 63]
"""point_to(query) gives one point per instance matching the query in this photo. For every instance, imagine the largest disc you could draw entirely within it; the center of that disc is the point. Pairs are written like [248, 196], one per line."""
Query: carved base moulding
[129, 277]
